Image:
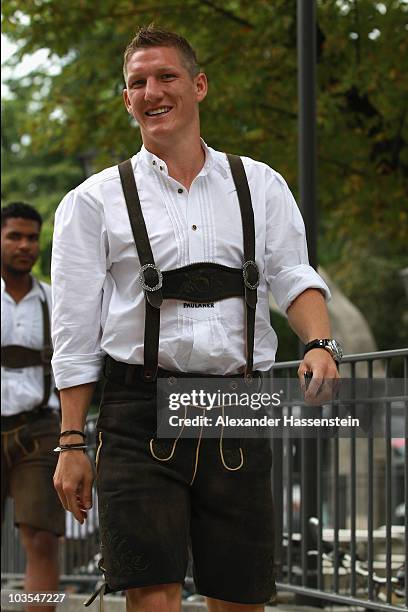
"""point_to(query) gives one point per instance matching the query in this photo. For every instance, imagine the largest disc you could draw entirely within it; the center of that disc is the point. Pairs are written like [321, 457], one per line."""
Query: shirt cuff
[291, 282]
[77, 369]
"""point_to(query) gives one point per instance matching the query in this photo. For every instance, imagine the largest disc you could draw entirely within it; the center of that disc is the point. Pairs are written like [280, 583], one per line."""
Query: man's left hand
[324, 381]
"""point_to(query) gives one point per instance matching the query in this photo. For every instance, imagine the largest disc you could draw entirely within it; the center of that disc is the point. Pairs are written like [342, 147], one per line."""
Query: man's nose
[25, 244]
[153, 90]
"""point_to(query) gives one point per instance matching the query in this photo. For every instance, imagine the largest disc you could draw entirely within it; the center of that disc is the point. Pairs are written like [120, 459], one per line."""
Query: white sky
[29, 63]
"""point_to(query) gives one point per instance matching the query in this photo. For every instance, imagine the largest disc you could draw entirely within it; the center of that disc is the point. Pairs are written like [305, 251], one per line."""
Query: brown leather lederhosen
[14, 356]
[202, 282]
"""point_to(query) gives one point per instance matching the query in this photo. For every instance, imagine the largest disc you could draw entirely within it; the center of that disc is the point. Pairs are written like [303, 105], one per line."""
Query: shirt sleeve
[78, 271]
[287, 268]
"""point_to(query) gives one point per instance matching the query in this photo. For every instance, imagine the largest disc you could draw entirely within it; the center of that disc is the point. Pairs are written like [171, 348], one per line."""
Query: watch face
[335, 347]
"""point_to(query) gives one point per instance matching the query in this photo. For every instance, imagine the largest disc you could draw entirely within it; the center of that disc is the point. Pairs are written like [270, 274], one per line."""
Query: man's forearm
[308, 316]
[74, 473]
[75, 402]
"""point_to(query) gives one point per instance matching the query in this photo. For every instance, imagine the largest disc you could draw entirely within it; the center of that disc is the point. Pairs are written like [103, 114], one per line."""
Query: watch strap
[323, 343]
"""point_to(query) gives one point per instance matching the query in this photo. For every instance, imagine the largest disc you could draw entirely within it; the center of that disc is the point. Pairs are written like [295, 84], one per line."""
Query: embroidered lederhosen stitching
[173, 448]
[22, 447]
[98, 450]
[5, 449]
[5, 442]
[197, 451]
[230, 469]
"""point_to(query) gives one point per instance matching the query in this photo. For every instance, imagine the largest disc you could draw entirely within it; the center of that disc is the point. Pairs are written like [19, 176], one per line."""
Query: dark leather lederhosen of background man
[130, 244]
[29, 405]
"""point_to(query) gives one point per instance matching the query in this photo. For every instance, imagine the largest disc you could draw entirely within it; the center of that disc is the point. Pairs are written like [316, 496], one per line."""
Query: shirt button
[153, 162]
[180, 190]
[161, 167]
[194, 227]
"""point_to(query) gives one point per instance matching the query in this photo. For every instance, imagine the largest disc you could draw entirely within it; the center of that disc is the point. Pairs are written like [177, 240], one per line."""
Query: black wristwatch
[330, 345]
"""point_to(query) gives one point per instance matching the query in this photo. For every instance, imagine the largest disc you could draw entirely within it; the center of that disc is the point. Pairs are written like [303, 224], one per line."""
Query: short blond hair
[156, 37]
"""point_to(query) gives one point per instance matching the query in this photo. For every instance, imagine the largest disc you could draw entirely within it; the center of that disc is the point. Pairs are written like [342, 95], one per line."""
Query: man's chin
[159, 131]
[21, 269]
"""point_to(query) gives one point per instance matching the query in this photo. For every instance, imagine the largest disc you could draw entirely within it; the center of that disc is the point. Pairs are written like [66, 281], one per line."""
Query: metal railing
[335, 502]
[351, 487]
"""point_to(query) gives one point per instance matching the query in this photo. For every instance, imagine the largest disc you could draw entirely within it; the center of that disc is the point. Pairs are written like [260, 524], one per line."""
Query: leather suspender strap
[47, 348]
[250, 270]
[149, 276]
[152, 279]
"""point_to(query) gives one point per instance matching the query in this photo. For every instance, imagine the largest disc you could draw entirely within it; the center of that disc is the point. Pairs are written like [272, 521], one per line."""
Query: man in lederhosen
[29, 405]
[162, 266]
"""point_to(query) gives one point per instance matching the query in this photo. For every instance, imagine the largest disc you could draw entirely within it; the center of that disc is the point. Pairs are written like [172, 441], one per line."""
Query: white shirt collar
[154, 163]
[35, 290]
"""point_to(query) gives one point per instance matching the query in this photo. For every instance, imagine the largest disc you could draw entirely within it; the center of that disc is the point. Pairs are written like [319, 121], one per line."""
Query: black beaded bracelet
[68, 432]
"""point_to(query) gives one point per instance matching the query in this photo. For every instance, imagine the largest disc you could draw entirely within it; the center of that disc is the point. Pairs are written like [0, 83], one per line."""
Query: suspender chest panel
[202, 282]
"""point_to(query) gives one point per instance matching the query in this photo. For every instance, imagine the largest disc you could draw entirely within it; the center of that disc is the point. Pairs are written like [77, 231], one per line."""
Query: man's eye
[136, 84]
[168, 77]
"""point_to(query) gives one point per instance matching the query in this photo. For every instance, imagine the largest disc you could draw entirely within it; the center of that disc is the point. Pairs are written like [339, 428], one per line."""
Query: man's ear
[201, 86]
[126, 100]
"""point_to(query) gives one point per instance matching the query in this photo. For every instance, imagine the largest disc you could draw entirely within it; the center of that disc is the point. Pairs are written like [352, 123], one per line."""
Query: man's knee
[38, 542]
[157, 598]
[217, 605]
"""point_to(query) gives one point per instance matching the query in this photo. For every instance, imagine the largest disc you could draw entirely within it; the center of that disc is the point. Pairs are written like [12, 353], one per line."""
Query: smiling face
[163, 97]
[19, 245]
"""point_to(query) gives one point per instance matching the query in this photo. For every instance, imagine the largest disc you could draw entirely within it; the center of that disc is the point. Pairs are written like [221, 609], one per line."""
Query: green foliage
[248, 50]
[39, 177]
[377, 289]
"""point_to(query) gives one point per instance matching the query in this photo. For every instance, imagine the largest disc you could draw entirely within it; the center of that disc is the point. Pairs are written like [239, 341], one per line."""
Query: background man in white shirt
[189, 205]
[29, 405]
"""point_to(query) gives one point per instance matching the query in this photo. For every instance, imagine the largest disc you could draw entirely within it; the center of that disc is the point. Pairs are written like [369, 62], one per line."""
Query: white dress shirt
[98, 301]
[22, 324]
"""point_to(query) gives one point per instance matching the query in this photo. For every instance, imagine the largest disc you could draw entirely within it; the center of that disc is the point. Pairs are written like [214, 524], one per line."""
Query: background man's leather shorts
[27, 469]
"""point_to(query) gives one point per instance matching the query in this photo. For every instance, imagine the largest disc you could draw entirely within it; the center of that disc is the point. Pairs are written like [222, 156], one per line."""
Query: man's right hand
[74, 474]
[73, 480]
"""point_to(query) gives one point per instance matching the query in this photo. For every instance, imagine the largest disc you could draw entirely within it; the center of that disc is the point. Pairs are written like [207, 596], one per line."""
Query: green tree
[38, 177]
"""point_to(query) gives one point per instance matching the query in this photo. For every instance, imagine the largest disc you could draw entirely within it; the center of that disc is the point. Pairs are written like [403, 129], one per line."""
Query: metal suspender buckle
[143, 279]
[250, 273]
